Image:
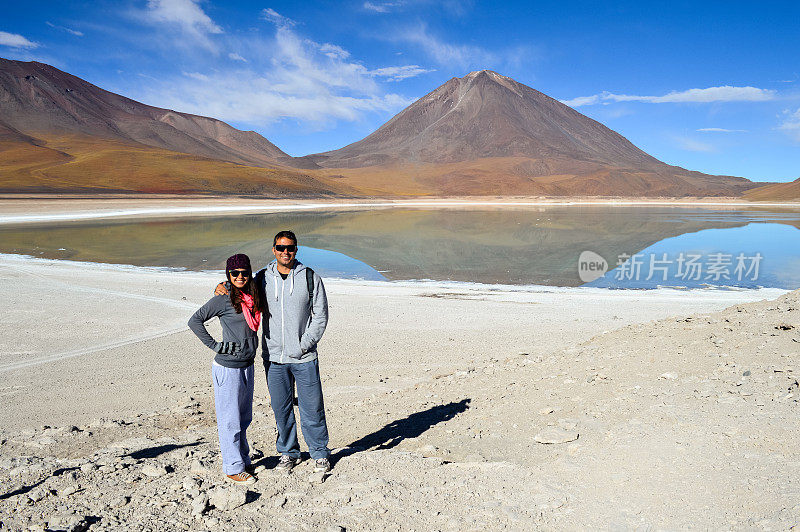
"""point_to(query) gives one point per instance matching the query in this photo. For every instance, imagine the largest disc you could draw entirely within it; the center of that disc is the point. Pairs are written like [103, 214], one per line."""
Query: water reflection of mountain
[509, 246]
[525, 245]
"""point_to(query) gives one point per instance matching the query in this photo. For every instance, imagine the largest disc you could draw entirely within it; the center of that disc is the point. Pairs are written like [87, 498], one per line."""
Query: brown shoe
[244, 478]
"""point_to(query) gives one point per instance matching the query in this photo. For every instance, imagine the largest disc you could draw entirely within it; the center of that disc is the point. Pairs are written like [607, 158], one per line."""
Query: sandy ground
[52, 208]
[667, 409]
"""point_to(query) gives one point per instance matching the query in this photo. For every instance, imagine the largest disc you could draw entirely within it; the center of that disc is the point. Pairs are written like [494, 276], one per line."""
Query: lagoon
[512, 245]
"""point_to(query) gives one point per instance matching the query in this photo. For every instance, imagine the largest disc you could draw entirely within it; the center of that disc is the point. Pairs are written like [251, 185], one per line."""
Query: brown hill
[775, 192]
[488, 134]
[59, 133]
[85, 164]
[38, 99]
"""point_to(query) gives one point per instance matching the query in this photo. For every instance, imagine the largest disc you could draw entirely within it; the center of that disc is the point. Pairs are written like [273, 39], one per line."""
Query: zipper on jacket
[283, 334]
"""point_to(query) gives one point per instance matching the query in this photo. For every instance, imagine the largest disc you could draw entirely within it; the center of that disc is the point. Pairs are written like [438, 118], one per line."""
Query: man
[298, 313]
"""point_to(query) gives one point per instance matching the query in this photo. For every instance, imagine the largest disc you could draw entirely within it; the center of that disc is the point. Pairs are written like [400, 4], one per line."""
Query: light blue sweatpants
[233, 401]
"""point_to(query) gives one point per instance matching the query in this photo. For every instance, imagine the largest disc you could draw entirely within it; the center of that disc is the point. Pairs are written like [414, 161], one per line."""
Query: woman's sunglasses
[291, 248]
[239, 273]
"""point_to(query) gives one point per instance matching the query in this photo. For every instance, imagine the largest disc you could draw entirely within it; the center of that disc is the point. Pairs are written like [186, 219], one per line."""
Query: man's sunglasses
[239, 273]
[291, 248]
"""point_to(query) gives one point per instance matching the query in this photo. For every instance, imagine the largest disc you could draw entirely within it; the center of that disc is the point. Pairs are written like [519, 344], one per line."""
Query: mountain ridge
[39, 98]
[481, 134]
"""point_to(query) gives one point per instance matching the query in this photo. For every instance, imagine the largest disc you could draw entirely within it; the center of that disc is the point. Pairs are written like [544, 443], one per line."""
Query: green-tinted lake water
[530, 245]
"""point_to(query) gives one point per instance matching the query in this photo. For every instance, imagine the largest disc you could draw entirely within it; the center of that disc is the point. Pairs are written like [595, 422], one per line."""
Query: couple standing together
[292, 300]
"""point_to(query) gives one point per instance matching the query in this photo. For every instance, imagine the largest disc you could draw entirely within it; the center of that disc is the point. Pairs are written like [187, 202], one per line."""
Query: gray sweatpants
[233, 401]
[281, 379]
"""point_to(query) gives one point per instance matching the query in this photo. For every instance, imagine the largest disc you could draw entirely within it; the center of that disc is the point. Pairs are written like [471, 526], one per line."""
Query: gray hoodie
[234, 329]
[295, 324]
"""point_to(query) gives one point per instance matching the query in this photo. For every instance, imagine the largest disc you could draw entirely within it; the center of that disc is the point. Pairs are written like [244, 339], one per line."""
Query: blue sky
[710, 86]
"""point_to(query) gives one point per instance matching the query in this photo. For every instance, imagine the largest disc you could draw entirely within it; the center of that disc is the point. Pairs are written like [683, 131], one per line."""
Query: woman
[239, 313]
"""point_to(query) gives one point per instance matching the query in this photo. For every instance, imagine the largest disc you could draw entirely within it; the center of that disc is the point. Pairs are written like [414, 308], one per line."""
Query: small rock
[119, 502]
[317, 477]
[199, 468]
[68, 523]
[199, 504]
[227, 498]
[190, 484]
[151, 470]
[335, 528]
[556, 435]
[668, 376]
[69, 490]
[279, 501]
[88, 467]
[37, 494]
[428, 450]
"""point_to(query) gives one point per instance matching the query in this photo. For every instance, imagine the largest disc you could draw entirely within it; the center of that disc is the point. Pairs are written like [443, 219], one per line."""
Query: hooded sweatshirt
[234, 329]
[295, 324]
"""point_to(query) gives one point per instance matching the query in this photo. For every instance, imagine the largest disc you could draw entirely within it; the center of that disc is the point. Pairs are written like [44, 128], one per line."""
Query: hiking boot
[287, 463]
[244, 478]
[322, 465]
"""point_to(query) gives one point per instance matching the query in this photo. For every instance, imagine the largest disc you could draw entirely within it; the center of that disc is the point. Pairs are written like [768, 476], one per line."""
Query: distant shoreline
[44, 208]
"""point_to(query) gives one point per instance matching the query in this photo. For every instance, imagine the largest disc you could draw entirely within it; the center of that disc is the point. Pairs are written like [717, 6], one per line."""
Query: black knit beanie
[240, 261]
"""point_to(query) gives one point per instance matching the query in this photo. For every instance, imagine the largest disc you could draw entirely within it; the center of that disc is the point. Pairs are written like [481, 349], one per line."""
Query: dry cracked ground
[689, 422]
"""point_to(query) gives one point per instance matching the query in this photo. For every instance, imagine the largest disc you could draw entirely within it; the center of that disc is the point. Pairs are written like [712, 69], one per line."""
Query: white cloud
[712, 94]
[276, 18]
[693, 145]
[15, 40]
[399, 73]
[197, 75]
[288, 77]
[237, 57]
[581, 100]
[64, 28]
[720, 130]
[187, 16]
[460, 55]
[254, 99]
[333, 51]
[724, 93]
[382, 7]
[792, 125]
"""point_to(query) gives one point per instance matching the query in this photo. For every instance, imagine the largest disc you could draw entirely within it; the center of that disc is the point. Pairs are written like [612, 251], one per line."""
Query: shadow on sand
[409, 427]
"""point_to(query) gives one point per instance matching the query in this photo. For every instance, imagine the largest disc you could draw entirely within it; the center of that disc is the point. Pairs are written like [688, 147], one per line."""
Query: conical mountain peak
[485, 114]
[486, 133]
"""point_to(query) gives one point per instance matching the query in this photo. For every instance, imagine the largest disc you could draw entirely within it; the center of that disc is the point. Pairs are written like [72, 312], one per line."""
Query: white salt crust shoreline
[64, 212]
[720, 293]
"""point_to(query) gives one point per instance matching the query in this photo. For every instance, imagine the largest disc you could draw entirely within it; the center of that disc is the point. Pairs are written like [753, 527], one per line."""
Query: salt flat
[116, 336]
[674, 413]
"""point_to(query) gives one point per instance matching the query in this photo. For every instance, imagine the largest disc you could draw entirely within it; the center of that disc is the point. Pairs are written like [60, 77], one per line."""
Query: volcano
[485, 133]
